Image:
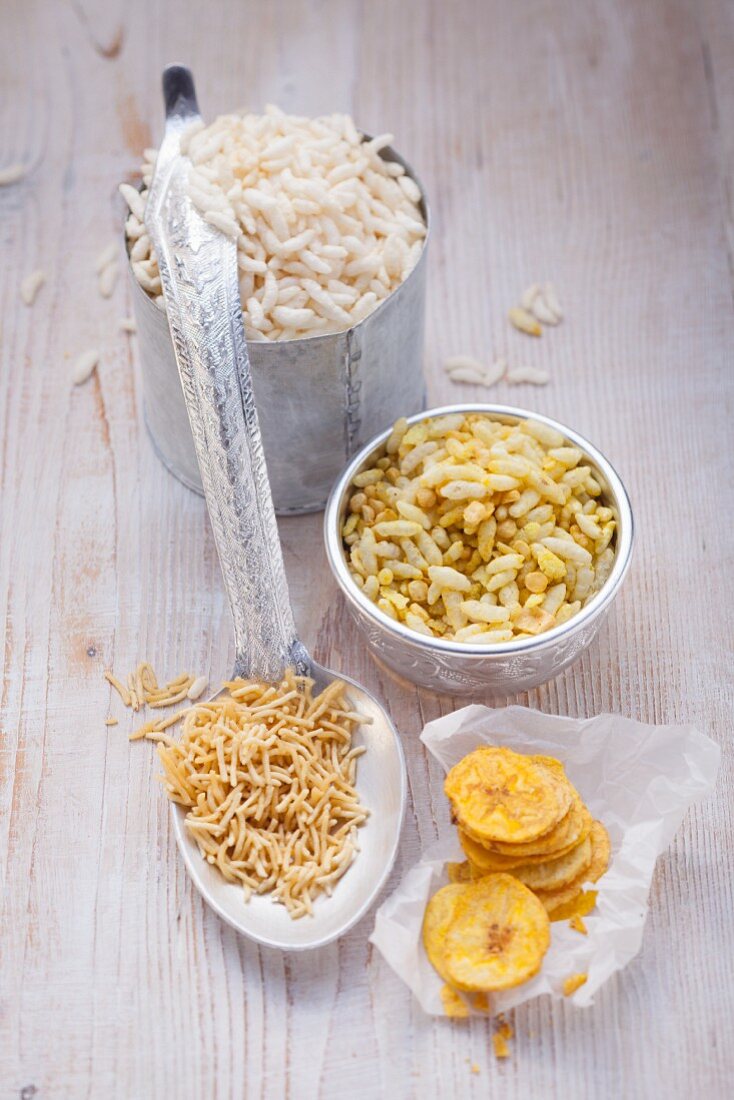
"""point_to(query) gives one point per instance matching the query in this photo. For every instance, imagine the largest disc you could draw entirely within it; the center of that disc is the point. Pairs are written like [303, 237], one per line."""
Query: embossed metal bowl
[458, 667]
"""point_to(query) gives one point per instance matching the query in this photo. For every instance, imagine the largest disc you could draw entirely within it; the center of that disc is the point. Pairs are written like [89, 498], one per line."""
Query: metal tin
[318, 399]
[456, 667]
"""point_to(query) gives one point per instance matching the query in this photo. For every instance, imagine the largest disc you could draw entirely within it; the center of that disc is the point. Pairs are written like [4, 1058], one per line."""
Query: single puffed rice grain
[12, 174]
[84, 366]
[31, 285]
[533, 376]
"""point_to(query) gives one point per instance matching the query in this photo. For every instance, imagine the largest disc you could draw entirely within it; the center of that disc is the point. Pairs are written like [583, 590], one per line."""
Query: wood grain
[587, 143]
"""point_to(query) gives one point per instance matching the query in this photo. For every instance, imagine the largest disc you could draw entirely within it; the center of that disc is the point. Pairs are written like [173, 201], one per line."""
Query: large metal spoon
[198, 266]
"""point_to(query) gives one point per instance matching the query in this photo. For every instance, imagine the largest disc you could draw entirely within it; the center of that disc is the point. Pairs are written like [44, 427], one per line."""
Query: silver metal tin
[455, 667]
[318, 399]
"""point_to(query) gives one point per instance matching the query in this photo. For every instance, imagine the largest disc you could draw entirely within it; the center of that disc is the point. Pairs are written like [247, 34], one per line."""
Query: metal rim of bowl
[388, 154]
[623, 548]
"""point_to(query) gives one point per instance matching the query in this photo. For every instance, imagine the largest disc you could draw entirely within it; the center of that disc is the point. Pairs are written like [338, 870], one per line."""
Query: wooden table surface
[592, 144]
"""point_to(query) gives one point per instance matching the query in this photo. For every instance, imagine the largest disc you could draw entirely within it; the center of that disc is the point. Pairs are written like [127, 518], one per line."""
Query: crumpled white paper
[638, 780]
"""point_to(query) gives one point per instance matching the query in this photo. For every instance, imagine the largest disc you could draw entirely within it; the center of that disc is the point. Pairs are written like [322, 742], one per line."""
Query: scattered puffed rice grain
[134, 200]
[197, 688]
[533, 376]
[105, 257]
[529, 296]
[543, 312]
[108, 278]
[31, 285]
[524, 322]
[551, 300]
[471, 377]
[462, 362]
[127, 324]
[84, 366]
[12, 174]
[495, 373]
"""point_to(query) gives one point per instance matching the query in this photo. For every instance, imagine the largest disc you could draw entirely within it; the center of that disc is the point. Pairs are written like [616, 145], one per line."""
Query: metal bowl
[457, 667]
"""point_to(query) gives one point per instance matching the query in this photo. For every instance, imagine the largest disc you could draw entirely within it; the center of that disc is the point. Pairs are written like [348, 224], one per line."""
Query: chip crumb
[474, 1067]
[572, 983]
[110, 721]
[454, 1005]
[577, 923]
[501, 1049]
[504, 1028]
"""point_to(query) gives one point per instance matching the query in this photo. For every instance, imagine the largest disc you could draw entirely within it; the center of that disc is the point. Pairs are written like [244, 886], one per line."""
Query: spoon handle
[198, 267]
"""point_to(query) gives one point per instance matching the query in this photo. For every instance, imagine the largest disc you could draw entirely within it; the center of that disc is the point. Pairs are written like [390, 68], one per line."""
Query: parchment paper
[639, 780]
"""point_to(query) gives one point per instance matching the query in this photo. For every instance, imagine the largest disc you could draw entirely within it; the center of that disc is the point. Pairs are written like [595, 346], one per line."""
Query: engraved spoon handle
[198, 268]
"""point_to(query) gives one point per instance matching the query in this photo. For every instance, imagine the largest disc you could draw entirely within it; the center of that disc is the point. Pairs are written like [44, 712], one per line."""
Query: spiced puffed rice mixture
[478, 531]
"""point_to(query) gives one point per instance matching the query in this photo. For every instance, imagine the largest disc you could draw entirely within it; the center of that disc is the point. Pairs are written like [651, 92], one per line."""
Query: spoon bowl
[381, 786]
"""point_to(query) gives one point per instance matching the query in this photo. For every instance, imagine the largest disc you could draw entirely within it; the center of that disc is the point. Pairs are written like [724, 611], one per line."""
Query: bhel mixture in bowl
[326, 227]
[479, 546]
[471, 529]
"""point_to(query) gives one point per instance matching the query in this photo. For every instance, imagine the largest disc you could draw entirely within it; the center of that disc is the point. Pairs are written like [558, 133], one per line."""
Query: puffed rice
[12, 174]
[31, 285]
[478, 531]
[325, 228]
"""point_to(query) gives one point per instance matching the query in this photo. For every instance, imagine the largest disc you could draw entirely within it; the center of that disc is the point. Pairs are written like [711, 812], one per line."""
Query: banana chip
[460, 872]
[602, 851]
[496, 936]
[500, 796]
[438, 916]
[558, 872]
[485, 861]
[569, 900]
[579, 906]
[570, 831]
[531, 847]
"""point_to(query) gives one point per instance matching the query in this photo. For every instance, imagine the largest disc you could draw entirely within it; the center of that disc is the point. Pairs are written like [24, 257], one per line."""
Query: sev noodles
[267, 774]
